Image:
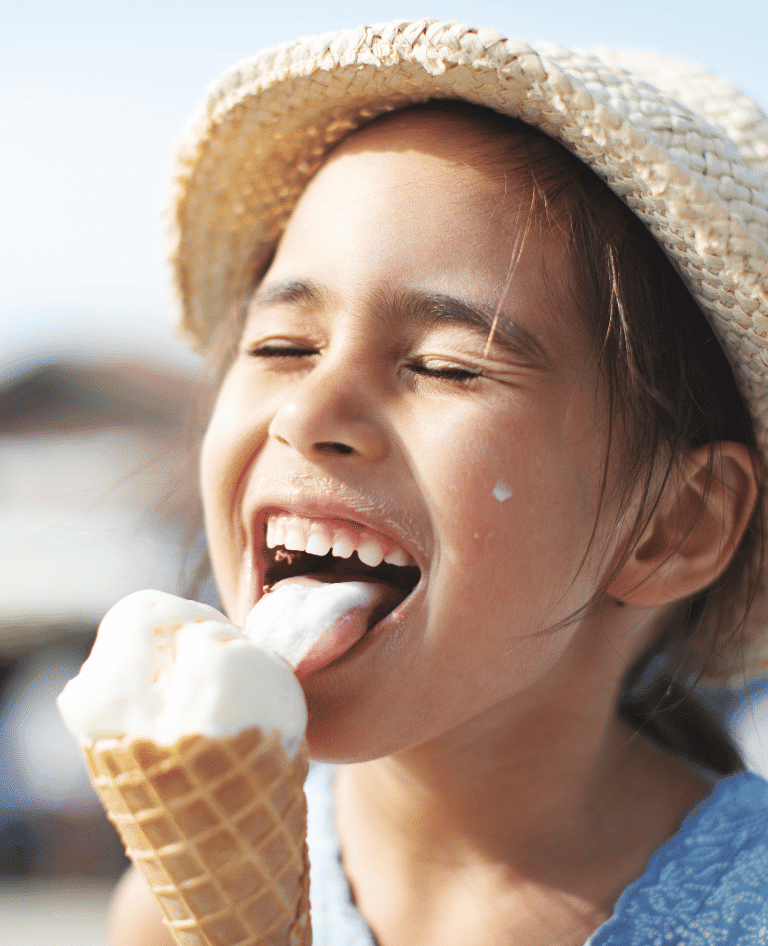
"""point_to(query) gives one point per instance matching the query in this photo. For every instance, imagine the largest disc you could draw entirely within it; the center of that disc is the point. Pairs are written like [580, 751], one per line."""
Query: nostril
[333, 448]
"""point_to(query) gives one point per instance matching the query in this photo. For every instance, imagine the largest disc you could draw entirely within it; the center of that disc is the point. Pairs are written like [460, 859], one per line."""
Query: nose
[327, 415]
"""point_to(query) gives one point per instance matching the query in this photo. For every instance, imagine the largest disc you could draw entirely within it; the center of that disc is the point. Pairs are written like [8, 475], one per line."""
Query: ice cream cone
[218, 828]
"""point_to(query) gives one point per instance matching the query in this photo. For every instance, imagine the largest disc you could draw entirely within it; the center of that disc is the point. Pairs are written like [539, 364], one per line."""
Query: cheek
[228, 448]
[490, 475]
[484, 492]
[522, 502]
[216, 503]
[215, 462]
[234, 434]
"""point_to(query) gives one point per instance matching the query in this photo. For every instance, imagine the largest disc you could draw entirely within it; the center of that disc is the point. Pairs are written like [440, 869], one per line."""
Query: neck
[489, 790]
[546, 796]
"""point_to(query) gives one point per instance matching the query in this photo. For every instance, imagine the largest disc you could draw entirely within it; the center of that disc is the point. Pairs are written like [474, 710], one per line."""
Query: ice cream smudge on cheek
[502, 491]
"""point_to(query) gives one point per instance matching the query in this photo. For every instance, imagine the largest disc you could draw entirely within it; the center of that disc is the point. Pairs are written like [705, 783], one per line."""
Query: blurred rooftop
[96, 488]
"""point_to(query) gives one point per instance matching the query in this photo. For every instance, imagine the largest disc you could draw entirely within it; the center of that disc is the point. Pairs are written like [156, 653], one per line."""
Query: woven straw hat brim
[687, 152]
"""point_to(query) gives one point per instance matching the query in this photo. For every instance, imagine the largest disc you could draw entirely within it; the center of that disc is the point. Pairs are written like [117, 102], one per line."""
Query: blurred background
[96, 430]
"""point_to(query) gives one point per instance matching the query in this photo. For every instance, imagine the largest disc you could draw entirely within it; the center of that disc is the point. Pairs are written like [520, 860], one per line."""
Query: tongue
[310, 621]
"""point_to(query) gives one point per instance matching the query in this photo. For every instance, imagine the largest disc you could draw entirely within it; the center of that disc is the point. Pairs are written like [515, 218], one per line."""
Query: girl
[466, 302]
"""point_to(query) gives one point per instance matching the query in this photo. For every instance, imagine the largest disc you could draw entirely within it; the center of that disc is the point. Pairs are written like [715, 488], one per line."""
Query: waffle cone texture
[218, 829]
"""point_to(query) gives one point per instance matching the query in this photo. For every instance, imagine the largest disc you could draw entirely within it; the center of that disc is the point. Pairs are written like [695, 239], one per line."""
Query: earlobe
[694, 530]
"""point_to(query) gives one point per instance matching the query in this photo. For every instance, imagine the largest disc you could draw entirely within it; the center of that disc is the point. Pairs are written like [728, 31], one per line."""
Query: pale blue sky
[93, 96]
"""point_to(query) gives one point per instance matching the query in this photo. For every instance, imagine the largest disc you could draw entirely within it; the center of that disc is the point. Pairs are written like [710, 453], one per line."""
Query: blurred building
[97, 499]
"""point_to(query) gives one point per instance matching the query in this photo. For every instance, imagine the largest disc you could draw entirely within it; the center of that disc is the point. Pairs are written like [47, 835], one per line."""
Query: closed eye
[277, 350]
[444, 372]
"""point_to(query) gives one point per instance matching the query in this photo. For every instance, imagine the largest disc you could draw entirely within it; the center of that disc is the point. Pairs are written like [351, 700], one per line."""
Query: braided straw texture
[218, 828]
[686, 151]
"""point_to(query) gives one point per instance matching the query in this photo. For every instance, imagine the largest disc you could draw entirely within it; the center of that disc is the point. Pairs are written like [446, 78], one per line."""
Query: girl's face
[365, 405]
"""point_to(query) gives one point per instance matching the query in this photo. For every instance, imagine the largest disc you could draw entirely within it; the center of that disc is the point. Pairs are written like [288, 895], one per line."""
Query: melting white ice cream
[305, 619]
[502, 491]
[163, 668]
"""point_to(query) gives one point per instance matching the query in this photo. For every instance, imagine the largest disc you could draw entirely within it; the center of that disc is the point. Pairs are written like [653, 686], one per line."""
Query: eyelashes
[432, 368]
[277, 350]
[445, 373]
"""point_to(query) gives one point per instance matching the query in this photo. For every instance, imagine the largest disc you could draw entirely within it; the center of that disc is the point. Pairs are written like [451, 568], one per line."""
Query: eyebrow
[430, 308]
[305, 291]
[436, 308]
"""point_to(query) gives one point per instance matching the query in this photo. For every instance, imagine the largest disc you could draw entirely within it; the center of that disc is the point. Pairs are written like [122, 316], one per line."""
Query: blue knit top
[707, 885]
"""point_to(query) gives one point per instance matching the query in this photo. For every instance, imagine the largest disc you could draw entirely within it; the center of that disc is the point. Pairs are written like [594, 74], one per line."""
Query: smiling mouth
[304, 549]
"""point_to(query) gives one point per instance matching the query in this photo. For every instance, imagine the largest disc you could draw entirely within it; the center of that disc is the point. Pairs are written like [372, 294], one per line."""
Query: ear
[691, 536]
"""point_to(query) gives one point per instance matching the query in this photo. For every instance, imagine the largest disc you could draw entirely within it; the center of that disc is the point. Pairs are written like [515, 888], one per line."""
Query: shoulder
[709, 882]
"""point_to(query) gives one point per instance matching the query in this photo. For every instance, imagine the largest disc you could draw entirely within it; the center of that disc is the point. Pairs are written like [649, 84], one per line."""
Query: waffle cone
[218, 828]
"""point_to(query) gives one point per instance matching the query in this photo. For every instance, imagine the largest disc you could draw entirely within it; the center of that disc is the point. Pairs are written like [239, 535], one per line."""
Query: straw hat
[686, 151]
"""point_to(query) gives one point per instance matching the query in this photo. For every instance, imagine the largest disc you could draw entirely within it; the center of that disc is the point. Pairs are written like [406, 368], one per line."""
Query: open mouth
[299, 549]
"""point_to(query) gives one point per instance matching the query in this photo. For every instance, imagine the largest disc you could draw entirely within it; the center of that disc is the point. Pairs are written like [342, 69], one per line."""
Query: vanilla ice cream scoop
[163, 668]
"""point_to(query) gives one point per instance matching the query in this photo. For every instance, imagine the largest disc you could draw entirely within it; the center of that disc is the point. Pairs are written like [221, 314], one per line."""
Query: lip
[358, 509]
[330, 500]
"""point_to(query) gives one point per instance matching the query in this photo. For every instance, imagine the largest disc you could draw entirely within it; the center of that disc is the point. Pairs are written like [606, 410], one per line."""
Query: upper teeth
[318, 537]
